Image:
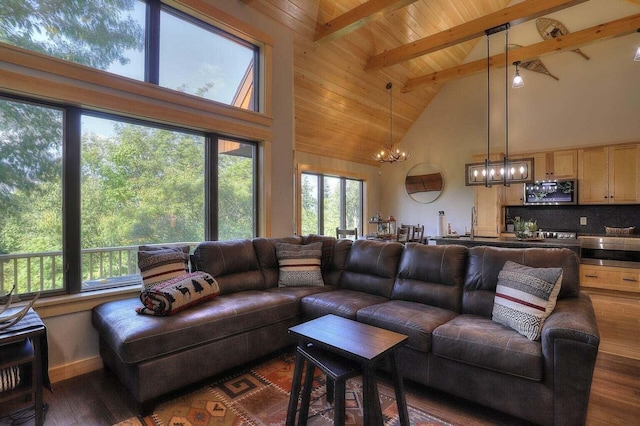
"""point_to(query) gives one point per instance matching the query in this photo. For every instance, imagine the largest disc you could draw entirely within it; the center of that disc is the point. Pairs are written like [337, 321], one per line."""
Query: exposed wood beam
[570, 41]
[357, 17]
[516, 14]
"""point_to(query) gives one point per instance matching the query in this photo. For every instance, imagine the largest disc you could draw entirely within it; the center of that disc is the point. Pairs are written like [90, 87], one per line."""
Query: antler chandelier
[389, 152]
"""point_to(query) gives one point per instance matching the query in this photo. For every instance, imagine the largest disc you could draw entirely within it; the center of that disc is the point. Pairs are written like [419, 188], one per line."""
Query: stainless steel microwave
[551, 192]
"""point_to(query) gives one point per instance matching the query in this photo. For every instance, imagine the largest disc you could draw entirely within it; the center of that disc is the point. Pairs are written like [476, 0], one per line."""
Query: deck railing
[41, 272]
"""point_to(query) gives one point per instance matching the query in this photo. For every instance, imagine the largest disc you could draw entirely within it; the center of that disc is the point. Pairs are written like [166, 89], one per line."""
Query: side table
[24, 345]
[361, 343]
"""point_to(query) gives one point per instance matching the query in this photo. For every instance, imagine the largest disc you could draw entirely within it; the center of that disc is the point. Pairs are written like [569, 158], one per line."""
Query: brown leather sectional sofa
[440, 296]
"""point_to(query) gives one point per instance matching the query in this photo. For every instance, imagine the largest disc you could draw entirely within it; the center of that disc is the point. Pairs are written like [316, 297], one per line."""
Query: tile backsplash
[567, 218]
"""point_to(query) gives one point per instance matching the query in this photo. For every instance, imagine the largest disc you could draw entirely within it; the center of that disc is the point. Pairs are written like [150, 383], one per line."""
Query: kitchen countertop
[572, 244]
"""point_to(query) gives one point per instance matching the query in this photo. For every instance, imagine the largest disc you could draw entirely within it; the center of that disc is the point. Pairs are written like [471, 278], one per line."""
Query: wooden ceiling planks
[356, 18]
[520, 12]
[623, 26]
[341, 110]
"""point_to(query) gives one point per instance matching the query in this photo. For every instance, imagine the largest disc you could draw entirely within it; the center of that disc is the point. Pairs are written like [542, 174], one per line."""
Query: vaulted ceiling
[346, 51]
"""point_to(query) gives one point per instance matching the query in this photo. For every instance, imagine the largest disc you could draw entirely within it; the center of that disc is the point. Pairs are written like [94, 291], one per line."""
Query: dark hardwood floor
[97, 398]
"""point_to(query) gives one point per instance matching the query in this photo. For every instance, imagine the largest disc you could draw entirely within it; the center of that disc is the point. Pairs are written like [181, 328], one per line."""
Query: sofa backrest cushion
[485, 263]
[432, 275]
[232, 263]
[371, 267]
[267, 259]
[332, 275]
[334, 256]
[328, 245]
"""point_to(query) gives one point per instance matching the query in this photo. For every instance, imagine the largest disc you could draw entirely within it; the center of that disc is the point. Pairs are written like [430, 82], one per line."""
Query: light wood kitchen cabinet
[556, 165]
[609, 175]
[514, 194]
[488, 203]
[610, 278]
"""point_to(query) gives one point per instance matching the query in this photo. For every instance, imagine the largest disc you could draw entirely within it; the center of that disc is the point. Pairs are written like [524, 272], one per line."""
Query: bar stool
[338, 370]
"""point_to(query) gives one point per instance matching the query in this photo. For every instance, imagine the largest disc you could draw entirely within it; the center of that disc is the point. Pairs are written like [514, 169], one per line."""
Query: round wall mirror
[424, 183]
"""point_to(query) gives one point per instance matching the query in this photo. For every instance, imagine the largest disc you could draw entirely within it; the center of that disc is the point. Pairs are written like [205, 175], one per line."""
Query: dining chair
[417, 234]
[410, 227]
[402, 234]
[351, 234]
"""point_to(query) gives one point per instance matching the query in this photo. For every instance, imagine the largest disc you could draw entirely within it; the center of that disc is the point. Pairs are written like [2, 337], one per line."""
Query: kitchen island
[510, 242]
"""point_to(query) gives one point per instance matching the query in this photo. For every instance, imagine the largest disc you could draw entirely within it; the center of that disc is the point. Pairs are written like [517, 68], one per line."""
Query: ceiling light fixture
[390, 153]
[503, 171]
[637, 57]
[518, 82]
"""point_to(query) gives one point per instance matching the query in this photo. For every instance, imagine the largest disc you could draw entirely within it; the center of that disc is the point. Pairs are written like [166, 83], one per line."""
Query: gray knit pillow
[525, 297]
[299, 264]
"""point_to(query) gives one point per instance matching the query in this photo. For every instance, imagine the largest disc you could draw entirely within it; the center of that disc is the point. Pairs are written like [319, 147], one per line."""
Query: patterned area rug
[260, 396]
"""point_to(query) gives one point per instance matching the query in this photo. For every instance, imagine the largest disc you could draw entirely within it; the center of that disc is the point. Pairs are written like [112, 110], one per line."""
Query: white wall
[595, 102]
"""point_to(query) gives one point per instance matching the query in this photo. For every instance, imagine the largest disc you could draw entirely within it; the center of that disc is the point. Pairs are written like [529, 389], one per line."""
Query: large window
[330, 202]
[31, 138]
[141, 39]
[201, 60]
[126, 183]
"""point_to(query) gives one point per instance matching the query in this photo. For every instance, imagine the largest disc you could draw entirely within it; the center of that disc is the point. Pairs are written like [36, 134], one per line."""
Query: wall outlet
[583, 220]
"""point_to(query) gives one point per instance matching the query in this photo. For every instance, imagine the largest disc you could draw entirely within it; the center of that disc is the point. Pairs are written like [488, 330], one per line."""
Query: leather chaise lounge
[442, 297]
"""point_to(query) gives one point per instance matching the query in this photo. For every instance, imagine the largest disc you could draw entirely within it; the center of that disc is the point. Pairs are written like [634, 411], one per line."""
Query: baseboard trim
[68, 371]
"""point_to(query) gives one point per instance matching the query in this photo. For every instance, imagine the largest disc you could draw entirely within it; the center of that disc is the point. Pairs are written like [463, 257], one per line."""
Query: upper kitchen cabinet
[609, 175]
[556, 165]
[514, 194]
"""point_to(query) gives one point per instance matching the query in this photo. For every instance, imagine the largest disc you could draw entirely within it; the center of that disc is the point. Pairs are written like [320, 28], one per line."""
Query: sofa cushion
[160, 265]
[265, 249]
[299, 264]
[176, 294]
[232, 263]
[525, 297]
[481, 342]
[328, 246]
[371, 267]
[485, 263]
[431, 275]
[345, 303]
[416, 320]
[143, 337]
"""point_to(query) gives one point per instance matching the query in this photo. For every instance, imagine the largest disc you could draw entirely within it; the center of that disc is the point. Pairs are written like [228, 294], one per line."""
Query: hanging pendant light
[518, 82]
[505, 171]
[390, 153]
[637, 57]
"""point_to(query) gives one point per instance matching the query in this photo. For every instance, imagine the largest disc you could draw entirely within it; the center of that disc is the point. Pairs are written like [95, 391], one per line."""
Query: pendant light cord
[506, 107]
[486, 161]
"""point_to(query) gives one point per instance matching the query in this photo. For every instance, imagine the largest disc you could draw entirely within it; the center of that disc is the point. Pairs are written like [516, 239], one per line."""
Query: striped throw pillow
[157, 266]
[525, 297]
[299, 264]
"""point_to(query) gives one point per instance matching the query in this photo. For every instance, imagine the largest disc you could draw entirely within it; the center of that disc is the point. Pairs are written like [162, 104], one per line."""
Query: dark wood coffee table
[363, 343]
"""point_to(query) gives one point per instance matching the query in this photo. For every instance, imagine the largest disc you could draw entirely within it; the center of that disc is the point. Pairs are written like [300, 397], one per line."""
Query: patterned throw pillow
[161, 265]
[525, 297]
[177, 294]
[299, 264]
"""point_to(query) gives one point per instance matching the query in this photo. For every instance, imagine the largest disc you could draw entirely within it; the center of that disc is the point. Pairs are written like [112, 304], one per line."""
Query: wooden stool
[337, 370]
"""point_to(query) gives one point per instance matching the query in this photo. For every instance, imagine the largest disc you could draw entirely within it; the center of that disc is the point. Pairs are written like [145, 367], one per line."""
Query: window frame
[344, 177]
[71, 188]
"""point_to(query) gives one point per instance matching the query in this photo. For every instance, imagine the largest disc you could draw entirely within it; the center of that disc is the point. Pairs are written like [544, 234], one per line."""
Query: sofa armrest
[572, 319]
[570, 340]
